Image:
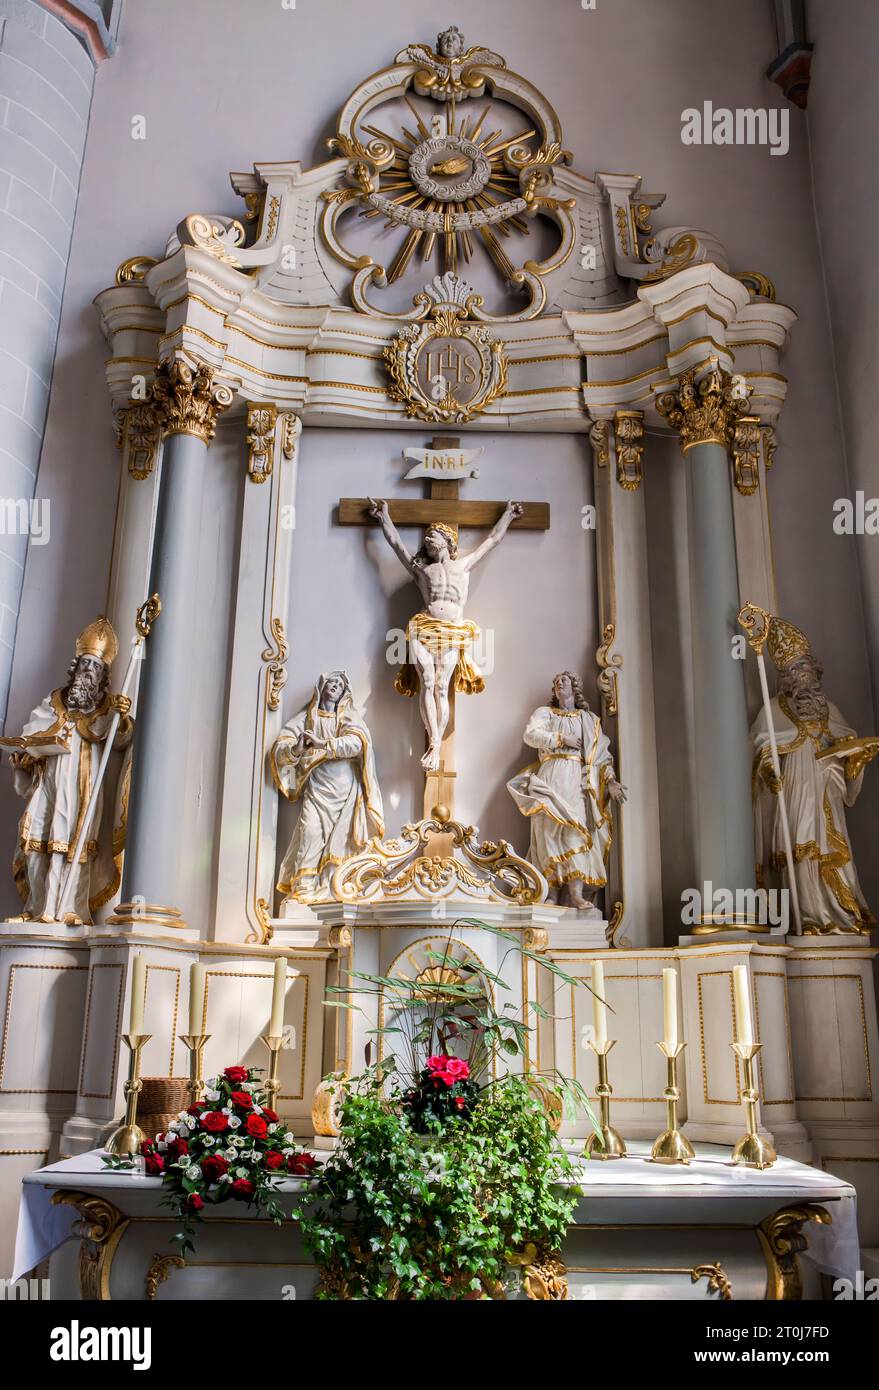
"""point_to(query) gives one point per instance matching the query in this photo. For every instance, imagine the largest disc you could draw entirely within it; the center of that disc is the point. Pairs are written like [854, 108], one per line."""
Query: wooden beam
[354, 511]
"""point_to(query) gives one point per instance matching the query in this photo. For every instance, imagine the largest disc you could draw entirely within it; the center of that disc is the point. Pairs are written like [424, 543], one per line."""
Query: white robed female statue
[567, 793]
[323, 758]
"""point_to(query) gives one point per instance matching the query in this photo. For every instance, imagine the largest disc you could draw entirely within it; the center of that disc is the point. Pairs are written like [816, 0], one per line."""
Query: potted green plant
[448, 1180]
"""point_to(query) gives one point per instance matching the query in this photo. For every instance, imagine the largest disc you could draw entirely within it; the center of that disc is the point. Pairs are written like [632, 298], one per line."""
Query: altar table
[710, 1231]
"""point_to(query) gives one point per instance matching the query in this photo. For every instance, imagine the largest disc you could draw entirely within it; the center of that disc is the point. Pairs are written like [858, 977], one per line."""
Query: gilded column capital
[629, 436]
[188, 400]
[705, 411]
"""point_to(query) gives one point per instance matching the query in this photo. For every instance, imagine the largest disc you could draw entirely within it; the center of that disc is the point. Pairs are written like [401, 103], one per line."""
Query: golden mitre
[98, 639]
[786, 643]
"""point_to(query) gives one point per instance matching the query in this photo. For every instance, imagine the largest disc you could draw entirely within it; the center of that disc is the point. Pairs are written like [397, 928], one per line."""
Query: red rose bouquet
[444, 1091]
[230, 1146]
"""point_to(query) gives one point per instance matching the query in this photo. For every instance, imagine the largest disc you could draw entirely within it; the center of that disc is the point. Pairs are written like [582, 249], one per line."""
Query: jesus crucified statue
[440, 637]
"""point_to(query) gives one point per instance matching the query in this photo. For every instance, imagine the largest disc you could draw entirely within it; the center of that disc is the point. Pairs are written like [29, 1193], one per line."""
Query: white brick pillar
[46, 80]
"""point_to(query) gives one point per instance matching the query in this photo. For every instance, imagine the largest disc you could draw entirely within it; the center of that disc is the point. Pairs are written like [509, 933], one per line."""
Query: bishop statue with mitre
[55, 763]
[822, 763]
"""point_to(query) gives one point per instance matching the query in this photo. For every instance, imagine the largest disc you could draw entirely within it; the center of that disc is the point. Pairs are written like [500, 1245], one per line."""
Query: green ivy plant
[427, 1199]
[455, 1213]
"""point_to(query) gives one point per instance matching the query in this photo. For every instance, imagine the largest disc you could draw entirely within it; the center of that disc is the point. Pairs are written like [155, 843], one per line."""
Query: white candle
[670, 1009]
[743, 1021]
[599, 1007]
[279, 994]
[196, 998]
[138, 995]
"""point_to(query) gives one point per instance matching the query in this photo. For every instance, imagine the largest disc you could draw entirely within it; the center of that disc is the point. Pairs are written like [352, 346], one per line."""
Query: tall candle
[138, 994]
[279, 992]
[741, 993]
[599, 1008]
[196, 998]
[670, 1009]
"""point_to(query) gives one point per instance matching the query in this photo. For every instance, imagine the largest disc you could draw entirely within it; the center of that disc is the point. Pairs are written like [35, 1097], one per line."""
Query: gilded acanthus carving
[141, 432]
[781, 1237]
[608, 666]
[600, 437]
[399, 870]
[705, 411]
[188, 401]
[628, 436]
[261, 421]
[746, 454]
[277, 658]
[100, 1228]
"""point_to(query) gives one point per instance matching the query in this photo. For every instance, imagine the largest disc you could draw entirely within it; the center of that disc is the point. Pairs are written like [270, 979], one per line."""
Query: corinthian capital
[188, 400]
[705, 411]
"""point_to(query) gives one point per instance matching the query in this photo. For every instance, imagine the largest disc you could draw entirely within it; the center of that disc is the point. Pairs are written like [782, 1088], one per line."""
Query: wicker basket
[160, 1102]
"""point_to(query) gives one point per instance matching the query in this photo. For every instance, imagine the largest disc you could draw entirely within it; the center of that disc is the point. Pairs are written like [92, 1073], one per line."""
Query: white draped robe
[817, 791]
[56, 782]
[564, 794]
[341, 804]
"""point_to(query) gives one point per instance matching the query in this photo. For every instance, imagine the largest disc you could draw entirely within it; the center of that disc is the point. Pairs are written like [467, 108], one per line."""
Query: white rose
[230, 1154]
[193, 1172]
[237, 1142]
[234, 1122]
[241, 1172]
[211, 1094]
[272, 1128]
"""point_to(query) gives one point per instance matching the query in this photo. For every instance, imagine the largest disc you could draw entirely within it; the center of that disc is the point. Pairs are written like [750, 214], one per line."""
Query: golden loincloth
[441, 635]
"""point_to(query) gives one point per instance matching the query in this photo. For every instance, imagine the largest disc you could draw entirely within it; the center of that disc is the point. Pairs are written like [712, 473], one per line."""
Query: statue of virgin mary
[323, 759]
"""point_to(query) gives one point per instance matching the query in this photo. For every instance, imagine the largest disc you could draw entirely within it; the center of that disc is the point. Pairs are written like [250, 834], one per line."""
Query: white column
[626, 678]
[46, 80]
[246, 872]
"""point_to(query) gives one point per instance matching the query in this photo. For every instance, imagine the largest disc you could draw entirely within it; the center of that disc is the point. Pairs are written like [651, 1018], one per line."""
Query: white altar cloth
[833, 1249]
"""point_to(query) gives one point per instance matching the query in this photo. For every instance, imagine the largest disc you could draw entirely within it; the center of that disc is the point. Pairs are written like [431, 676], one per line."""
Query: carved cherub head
[450, 43]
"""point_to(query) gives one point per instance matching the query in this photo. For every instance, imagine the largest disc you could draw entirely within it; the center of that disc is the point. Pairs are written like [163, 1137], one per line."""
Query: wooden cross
[443, 503]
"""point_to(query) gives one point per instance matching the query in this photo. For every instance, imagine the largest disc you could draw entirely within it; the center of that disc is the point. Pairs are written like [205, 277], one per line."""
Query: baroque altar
[446, 290]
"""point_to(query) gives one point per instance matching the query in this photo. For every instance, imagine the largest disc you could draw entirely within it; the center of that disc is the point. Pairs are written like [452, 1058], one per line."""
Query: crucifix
[440, 637]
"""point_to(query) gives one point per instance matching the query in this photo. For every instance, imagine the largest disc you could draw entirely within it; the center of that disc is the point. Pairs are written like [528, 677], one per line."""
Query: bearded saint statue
[567, 794]
[822, 764]
[55, 763]
[323, 759]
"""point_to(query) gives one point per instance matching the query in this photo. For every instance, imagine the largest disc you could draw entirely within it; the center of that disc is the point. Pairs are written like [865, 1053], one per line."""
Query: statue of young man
[567, 794]
[440, 637]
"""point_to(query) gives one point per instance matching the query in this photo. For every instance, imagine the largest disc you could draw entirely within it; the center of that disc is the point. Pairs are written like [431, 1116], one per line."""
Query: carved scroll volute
[608, 666]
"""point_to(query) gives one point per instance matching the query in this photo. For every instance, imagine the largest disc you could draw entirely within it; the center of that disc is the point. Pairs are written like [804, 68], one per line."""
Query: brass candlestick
[608, 1144]
[128, 1138]
[196, 1044]
[672, 1146]
[274, 1042]
[752, 1150]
